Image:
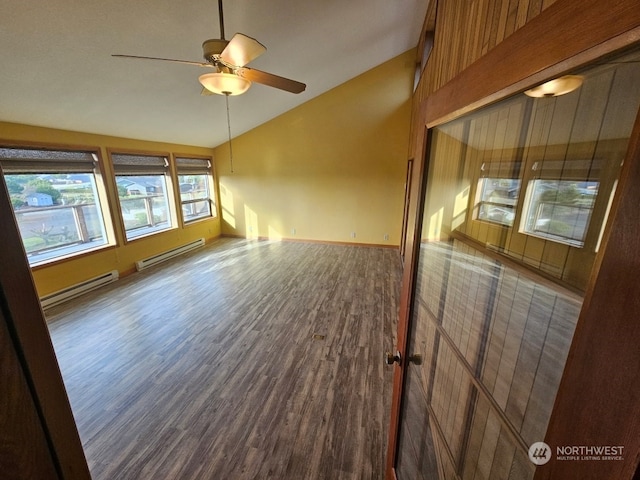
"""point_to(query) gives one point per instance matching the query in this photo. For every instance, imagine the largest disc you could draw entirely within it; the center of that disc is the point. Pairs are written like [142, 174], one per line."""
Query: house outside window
[144, 193]
[55, 199]
[196, 190]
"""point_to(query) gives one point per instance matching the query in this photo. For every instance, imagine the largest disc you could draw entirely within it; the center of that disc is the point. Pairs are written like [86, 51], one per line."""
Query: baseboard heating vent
[174, 252]
[78, 289]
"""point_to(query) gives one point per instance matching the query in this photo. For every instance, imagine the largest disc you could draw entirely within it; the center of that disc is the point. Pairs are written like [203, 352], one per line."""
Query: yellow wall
[122, 257]
[332, 166]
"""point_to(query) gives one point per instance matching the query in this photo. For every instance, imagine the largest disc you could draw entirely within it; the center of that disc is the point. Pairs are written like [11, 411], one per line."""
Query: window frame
[94, 167]
[191, 167]
[161, 168]
[531, 210]
[510, 203]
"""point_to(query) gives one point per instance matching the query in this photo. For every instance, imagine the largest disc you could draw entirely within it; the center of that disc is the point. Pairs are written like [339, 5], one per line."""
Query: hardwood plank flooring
[243, 360]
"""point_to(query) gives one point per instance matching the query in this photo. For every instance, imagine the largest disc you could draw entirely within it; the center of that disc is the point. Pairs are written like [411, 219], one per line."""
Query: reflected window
[540, 172]
[498, 198]
[560, 210]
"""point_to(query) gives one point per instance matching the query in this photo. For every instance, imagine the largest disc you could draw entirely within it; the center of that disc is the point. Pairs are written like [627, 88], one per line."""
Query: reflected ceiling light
[556, 87]
[224, 83]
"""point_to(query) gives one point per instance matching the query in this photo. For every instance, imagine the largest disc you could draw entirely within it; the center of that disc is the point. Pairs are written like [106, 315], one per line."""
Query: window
[194, 179]
[142, 182]
[498, 197]
[493, 154]
[55, 200]
[560, 210]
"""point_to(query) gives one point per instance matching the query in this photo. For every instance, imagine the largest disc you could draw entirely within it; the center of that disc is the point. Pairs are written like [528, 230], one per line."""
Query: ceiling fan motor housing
[212, 48]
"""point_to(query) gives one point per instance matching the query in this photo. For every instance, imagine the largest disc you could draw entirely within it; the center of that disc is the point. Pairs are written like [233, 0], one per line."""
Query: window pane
[195, 210]
[193, 186]
[560, 210]
[58, 214]
[194, 196]
[498, 198]
[144, 204]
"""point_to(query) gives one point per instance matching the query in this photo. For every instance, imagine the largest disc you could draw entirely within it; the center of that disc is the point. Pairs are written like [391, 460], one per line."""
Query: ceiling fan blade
[241, 50]
[270, 80]
[187, 62]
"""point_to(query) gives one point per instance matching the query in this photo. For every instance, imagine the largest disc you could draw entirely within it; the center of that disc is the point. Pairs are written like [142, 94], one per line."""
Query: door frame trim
[405, 211]
[406, 300]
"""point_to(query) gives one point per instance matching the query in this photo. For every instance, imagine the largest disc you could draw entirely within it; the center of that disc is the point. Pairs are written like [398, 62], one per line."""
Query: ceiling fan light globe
[224, 83]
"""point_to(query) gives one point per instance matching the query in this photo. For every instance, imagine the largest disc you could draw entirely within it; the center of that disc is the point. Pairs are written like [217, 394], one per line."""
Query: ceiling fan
[229, 59]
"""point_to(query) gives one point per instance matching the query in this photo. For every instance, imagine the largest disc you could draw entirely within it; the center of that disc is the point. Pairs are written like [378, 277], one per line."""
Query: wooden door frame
[540, 56]
[25, 451]
[30, 336]
[405, 212]
[412, 244]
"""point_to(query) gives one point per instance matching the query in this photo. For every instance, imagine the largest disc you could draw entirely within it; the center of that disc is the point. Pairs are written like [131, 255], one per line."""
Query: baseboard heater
[174, 252]
[78, 289]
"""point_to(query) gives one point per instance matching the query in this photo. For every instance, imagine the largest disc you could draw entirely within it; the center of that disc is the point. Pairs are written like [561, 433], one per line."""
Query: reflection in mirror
[532, 178]
[516, 197]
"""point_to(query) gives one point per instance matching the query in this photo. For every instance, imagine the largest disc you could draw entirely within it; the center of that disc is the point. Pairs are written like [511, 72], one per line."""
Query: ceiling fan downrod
[221, 18]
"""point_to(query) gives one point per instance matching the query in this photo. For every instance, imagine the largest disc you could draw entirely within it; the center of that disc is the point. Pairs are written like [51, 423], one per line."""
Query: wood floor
[243, 360]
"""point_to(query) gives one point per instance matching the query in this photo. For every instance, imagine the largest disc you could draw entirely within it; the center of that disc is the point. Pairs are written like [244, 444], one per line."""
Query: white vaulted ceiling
[56, 68]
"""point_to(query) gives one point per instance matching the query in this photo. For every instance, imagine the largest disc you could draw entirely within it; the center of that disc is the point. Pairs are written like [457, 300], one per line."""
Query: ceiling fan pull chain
[226, 97]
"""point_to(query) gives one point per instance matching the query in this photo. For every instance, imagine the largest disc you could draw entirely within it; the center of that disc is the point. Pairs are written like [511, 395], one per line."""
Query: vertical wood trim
[597, 401]
[405, 213]
[26, 323]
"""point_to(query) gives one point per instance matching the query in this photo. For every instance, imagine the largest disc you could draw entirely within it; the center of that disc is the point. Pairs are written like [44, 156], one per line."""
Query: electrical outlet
[353, 234]
[386, 237]
[293, 231]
